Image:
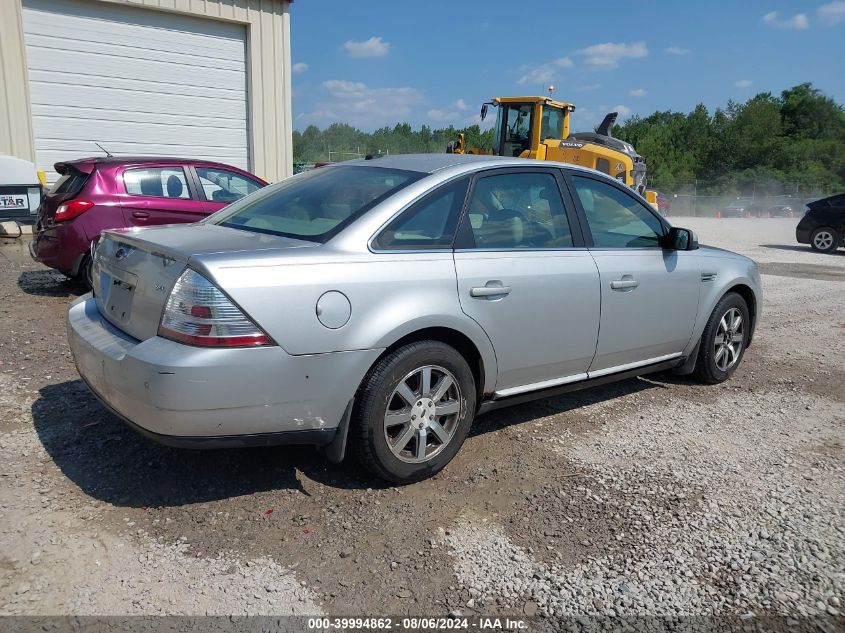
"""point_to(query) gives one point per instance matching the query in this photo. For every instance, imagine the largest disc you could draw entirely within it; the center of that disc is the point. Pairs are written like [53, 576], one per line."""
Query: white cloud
[637, 92]
[609, 54]
[743, 83]
[373, 47]
[299, 68]
[543, 73]
[585, 119]
[360, 105]
[342, 87]
[833, 13]
[624, 111]
[454, 113]
[475, 119]
[677, 50]
[442, 116]
[797, 22]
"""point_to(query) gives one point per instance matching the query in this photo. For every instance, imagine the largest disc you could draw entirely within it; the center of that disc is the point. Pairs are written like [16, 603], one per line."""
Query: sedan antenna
[108, 153]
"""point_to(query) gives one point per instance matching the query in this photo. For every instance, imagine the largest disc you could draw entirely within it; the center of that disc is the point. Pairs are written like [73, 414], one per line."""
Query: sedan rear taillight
[198, 313]
[73, 208]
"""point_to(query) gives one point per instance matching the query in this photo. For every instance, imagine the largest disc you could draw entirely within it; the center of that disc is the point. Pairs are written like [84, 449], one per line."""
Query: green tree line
[794, 142]
[340, 141]
[769, 145]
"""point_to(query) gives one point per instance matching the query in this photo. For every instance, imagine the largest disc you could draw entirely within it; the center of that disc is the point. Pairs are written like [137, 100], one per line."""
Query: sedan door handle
[626, 283]
[489, 291]
[141, 215]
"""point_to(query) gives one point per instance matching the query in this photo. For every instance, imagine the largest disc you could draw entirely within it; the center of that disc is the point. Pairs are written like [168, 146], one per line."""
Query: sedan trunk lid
[135, 270]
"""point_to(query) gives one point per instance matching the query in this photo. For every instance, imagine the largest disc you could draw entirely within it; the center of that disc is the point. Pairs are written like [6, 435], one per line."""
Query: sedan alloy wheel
[730, 335]
[422, 414]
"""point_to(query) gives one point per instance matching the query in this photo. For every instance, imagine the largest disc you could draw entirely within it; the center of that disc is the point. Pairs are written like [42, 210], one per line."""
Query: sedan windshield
[315, 205]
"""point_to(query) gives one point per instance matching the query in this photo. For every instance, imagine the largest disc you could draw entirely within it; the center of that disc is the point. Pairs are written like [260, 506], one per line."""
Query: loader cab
[523, 123]
[514, 122]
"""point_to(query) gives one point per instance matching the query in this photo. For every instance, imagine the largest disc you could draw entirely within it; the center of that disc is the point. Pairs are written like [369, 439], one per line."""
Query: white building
[189, 78]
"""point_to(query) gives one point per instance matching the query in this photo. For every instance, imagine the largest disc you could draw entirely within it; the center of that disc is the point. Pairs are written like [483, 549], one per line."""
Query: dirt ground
[653, 495]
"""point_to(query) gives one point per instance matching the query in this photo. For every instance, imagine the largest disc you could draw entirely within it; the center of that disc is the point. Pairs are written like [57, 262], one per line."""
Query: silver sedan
[381, 305]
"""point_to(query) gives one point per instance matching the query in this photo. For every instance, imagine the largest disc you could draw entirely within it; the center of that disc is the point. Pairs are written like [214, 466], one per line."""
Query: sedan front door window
[649, 295]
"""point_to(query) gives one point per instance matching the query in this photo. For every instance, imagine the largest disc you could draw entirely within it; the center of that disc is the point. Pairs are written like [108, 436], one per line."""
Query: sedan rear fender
[339, 303]
[464, 326]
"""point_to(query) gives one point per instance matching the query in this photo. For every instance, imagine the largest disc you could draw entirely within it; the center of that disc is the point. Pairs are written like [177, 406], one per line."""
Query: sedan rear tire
[413, 412]
[724, 340]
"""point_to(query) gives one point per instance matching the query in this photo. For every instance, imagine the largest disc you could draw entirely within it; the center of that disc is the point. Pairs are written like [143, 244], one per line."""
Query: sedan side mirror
[678, 239]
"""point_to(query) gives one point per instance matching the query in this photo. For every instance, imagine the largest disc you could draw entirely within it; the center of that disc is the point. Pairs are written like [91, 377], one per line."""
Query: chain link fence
[690, 201]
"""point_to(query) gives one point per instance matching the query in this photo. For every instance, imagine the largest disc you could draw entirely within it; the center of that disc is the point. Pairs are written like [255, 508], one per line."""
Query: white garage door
[139, 82]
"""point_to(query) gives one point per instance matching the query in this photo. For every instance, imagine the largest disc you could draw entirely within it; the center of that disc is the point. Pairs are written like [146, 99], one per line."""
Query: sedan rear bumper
[191, 396]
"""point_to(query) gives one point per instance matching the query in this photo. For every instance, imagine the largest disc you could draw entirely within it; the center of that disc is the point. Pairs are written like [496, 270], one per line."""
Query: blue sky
[375, 62]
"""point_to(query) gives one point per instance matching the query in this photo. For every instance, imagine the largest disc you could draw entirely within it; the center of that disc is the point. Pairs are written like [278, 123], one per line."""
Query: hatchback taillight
[71, 209]
[198, 313]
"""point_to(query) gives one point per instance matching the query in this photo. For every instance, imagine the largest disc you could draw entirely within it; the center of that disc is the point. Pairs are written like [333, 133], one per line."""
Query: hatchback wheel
[824, 240]
[724, 340]
[413, 411]
[85, 275]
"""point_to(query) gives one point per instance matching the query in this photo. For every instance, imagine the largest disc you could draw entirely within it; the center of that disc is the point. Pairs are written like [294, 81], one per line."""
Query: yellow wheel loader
[538, 127]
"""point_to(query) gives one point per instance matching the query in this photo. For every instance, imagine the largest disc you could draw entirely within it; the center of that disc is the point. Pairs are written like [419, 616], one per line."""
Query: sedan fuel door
[525, 276]
[649, 295]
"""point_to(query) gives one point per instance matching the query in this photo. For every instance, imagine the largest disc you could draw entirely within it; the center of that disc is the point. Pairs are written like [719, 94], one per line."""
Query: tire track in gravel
[693, 513]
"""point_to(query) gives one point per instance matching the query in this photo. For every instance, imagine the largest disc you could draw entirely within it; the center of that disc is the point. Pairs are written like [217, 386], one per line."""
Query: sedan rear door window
[429, 223]
[518, 210]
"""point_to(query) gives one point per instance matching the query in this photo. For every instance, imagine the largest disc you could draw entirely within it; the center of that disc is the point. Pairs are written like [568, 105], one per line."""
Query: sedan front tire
[724, 340]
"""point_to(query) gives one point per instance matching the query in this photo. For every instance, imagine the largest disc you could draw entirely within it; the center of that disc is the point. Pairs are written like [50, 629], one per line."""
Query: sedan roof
[431, 163]
[425, 163]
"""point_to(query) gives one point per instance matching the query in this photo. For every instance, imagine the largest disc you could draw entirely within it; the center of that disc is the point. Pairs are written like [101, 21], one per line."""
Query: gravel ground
[650, 496]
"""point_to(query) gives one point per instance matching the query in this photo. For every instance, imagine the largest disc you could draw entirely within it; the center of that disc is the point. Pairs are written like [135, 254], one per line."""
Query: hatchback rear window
[315, 205]
[69, 183]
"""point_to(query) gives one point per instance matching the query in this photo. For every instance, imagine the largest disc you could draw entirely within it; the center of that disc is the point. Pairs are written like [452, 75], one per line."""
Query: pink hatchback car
[94, 194]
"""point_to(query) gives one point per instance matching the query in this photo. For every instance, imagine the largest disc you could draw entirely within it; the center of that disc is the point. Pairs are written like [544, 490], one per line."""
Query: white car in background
[21, 187]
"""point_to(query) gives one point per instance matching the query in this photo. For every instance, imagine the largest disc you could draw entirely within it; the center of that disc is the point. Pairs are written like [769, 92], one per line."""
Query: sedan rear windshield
[315, 205]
